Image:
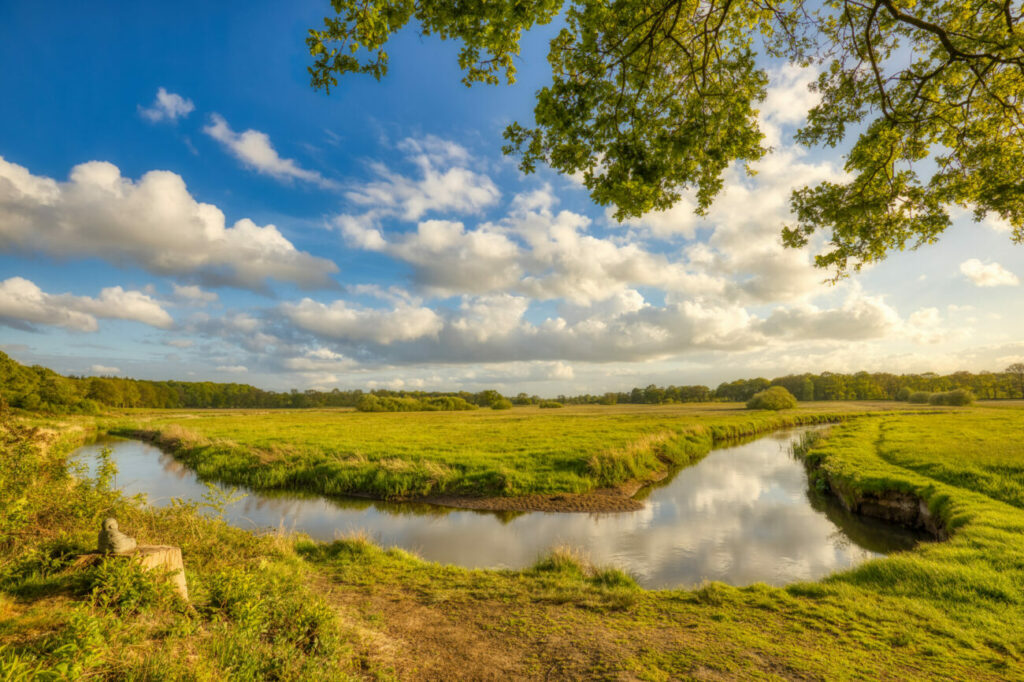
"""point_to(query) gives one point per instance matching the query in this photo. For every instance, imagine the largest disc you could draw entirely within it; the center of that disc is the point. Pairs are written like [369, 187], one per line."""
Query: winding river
[743, 514]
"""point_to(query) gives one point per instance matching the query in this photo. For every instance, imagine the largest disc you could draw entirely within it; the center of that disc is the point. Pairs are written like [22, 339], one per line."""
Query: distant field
[521, 451]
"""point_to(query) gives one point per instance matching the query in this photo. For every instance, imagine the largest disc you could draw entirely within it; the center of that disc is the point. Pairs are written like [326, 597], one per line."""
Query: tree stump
[150, 557]
[164, 557]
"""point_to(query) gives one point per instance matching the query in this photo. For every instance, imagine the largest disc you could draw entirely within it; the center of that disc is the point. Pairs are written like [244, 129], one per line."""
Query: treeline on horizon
[39, 388]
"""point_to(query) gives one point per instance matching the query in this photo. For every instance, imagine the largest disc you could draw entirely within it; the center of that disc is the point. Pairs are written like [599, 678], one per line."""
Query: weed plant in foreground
[254, 615]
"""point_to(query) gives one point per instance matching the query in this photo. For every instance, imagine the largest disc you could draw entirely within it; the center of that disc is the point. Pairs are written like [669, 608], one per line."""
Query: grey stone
[113, 541]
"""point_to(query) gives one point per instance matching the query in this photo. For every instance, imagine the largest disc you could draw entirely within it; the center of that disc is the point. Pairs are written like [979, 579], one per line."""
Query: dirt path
[478, 639]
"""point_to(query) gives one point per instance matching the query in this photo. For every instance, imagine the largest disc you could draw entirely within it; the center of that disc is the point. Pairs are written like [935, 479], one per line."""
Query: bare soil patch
[617, 499]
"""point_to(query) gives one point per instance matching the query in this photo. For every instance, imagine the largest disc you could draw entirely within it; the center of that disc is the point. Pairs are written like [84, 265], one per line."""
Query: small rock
[113, 541]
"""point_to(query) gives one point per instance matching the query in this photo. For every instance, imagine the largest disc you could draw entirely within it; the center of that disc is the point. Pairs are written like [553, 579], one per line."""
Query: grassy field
[501, 453]
[283, 607]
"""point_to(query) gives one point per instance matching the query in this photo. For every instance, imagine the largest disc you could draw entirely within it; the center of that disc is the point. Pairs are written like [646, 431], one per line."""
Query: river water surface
[741, 515]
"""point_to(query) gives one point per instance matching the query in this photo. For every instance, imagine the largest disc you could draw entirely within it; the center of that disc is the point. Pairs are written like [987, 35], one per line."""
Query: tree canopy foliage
[650, 100]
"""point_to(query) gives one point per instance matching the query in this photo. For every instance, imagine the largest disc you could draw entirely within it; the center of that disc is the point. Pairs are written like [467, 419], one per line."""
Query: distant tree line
[823, 386]
[39, 388]
[652, 395]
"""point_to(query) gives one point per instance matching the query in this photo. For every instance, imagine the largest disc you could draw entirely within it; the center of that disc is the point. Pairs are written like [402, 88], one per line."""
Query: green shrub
[375, 403]
[447, 403]
[549, 404]
[959, 397]
[772, 398]
[920, 397]
[29, 401]
[369, 403]
[275, 609]
[75, 648]
[503, 404]
[123, 586]
[903, 394]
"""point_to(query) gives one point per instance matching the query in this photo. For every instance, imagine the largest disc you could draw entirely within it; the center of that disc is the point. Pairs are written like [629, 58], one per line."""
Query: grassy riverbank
[276, 606]
[519, 452]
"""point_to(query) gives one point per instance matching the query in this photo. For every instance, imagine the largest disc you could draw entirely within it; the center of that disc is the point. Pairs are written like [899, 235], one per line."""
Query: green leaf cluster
[650, 102]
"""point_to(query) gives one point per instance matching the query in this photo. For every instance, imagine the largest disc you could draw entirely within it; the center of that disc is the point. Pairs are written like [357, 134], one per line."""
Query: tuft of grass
[567, 560]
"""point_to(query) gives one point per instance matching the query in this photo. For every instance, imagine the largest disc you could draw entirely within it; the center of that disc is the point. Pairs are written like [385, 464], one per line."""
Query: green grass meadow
[505, 453]
[284, 607]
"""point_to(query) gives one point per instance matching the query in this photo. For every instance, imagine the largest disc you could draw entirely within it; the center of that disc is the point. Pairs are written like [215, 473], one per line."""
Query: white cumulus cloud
[167, 106]
[23, 304]
[153, 222]
[445, 183]
[319, 360]
[533, 251]
[987, 274]
[253, 148]
[193, 294]
[860, 317]
[340, 320]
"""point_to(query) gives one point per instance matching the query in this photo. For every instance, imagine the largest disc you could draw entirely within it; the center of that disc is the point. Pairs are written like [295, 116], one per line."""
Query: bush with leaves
[772, 398]
[121, 585]
[262, 602]
[959, 397]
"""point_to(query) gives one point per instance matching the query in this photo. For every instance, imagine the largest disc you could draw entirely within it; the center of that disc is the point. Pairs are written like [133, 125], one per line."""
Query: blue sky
[177, 202]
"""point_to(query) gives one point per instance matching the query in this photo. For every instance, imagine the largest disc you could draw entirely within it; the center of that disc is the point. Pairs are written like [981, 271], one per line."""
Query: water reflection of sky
[741, 515]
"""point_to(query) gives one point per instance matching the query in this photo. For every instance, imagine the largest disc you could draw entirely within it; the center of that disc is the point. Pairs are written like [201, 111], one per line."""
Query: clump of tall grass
[175, 433]
[807, 441]
[630, 461]
[565, 559]
[566, 574]
[574, 562]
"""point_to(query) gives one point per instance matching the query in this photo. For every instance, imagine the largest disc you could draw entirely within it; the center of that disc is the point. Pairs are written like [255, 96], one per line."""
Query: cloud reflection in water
[741, 515]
